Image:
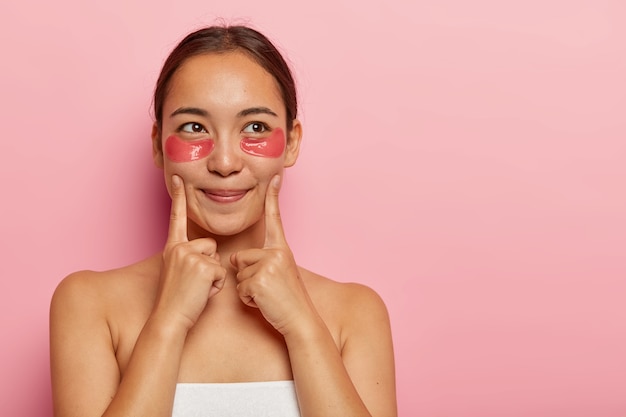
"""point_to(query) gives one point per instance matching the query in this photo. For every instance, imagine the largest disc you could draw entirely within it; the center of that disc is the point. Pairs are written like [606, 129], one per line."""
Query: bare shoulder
[344, 295]
[351, 307]
[96, 291]
[102, 283]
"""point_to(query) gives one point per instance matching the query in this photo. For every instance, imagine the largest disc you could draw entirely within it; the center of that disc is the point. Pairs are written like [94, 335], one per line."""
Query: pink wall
[465, 159]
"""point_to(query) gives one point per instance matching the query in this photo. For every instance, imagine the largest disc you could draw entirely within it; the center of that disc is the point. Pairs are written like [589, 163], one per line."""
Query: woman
[223, 321]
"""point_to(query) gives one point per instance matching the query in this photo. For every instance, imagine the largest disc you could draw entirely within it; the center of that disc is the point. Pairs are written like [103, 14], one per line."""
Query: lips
[225, 196]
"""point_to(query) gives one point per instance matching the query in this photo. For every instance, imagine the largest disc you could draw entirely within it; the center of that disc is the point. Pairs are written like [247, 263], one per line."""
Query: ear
[157, 149]
[293, 144]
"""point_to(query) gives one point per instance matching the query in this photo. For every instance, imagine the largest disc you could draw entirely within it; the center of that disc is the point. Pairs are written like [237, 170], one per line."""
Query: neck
[252, 237]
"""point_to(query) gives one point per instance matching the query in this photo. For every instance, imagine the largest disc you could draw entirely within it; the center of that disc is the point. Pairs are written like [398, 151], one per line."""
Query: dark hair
[222, 39]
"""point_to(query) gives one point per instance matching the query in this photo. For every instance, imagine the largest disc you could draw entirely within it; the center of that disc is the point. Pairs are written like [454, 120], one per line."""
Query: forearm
[323, 385]
[148, 385]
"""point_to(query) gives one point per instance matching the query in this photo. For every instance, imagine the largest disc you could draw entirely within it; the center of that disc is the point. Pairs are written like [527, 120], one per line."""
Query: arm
[359, 380]
[85, 376]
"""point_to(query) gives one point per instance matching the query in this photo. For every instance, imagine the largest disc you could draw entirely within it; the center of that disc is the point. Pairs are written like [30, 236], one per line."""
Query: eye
[192, 127]
[255, 127]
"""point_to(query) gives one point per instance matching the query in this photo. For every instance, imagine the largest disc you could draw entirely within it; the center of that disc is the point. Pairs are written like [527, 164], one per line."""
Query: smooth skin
[225, 301]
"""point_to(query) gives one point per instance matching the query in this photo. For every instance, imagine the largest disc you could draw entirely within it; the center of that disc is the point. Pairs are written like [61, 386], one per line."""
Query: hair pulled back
[222, 39]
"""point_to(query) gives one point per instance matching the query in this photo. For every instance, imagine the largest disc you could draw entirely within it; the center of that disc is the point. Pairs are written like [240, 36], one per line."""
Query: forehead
[231, 79]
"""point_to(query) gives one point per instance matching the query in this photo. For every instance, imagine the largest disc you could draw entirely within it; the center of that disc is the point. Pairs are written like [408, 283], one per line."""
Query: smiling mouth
[225, 196]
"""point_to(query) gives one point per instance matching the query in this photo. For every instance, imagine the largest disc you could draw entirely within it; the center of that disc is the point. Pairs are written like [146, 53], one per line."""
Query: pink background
[465, 159]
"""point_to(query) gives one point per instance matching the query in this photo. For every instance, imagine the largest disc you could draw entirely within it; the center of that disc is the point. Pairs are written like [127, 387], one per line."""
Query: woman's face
[224, 132]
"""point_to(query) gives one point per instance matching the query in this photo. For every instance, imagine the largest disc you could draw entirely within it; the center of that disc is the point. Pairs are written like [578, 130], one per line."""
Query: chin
[225, 227]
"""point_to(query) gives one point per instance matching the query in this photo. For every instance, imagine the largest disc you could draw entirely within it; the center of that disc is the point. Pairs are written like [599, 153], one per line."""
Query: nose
[225, 159]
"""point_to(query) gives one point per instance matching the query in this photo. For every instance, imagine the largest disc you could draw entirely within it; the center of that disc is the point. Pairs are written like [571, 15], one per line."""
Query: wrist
[167, 326]
[306, 333]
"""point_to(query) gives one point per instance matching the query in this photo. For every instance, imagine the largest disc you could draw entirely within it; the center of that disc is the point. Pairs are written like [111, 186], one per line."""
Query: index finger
[178, 214]
[274, 233]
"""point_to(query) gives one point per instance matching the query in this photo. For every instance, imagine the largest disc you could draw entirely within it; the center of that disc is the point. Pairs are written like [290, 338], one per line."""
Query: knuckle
[178, 250]
[261, 281]
[281, 256]
[274, 215]
[178, 191]
[174, 218]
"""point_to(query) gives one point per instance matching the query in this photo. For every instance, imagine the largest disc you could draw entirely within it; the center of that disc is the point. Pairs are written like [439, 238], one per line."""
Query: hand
[191, 272]
[268, 277]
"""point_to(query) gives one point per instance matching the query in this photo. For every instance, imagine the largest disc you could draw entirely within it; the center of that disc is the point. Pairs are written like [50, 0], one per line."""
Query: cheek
[272, 146]
[178, 150]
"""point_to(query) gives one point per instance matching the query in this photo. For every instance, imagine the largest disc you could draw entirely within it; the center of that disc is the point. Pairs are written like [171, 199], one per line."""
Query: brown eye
[193, 128]
[255, 127]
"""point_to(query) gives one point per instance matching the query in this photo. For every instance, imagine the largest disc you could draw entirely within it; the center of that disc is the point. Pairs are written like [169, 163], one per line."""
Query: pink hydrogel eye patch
[179, 150]
[272, 146]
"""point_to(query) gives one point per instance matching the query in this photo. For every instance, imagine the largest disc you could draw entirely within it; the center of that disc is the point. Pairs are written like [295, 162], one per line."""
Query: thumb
[274, 233]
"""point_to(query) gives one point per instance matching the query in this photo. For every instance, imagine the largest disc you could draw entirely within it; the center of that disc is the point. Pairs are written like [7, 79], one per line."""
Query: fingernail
[276, 181]
[176, 181]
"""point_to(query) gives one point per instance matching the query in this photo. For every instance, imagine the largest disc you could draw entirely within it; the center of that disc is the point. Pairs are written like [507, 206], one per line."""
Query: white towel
[240, 399]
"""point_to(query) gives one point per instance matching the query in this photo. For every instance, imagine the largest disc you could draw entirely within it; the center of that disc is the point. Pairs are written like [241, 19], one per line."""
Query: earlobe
[293, 144]
[157, 150]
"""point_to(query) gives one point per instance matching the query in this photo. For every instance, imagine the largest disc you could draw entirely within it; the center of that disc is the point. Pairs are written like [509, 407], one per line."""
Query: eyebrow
[190, 110]
[256, 110]
[201, 112]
